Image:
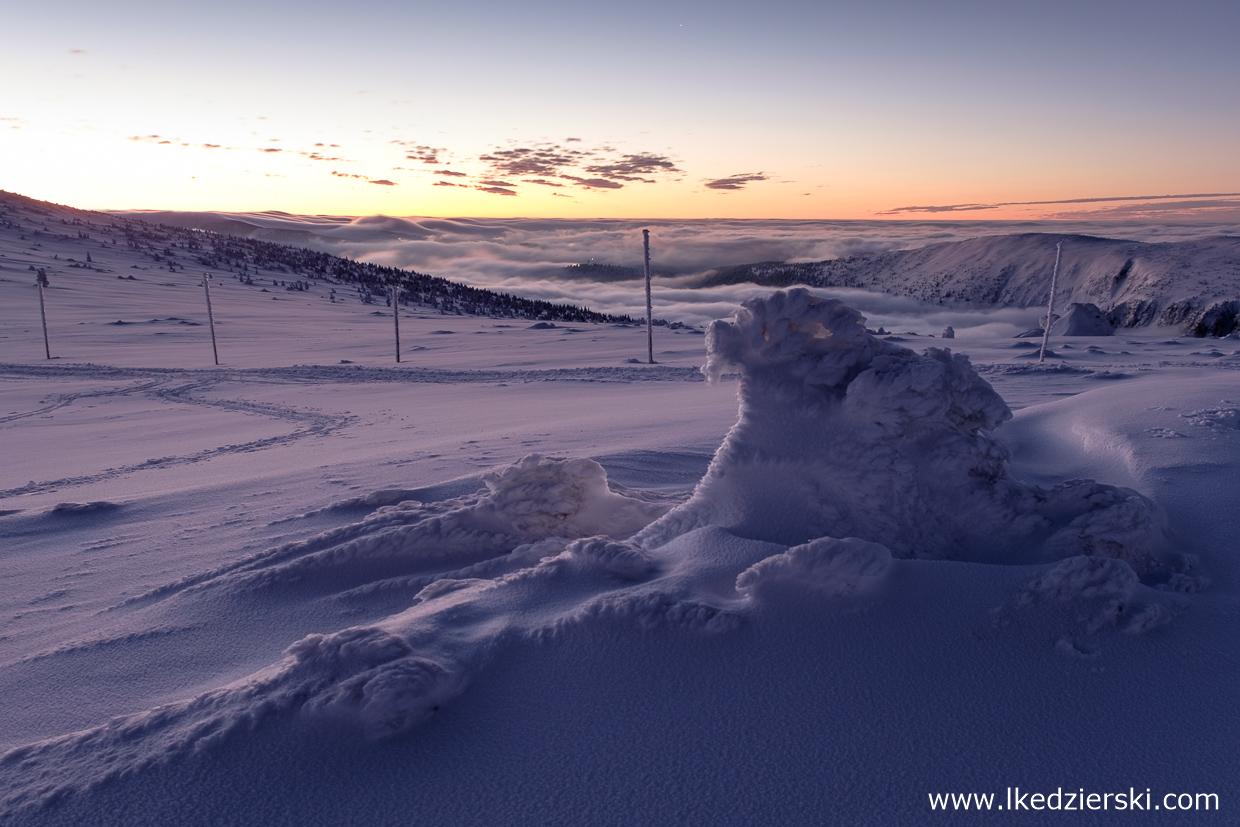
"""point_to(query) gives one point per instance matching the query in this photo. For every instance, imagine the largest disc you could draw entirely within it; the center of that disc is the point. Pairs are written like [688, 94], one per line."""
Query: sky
[682, 109]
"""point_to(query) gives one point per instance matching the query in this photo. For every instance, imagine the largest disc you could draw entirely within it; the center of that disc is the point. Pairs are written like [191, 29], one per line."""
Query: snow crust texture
[842, 434]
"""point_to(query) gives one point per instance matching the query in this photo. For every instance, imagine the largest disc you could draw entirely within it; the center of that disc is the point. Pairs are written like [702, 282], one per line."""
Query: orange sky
[703, 110]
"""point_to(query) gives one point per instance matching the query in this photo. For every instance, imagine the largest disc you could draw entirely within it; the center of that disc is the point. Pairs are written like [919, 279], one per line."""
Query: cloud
[421, 152]
[593, 183]
[452, 173]
[736, 182]
[497, 183]
[313, 155]
[544, 182]
[383, 182]
[541, 160]
[601, 168]
[1222, 209]
[496, 190]
[444, 184]
[631, 167]
[1096, 200]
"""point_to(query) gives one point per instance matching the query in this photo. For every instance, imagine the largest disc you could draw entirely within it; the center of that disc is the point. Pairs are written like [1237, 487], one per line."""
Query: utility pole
[1050, 308]
[649, 311]
[396, 317]
[206, 286]
[41, 278]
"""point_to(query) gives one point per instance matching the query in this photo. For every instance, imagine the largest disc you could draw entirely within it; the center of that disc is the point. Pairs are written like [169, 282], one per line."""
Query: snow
[517, 579]
[1140, 272]
[842, 434]
[1082, 319]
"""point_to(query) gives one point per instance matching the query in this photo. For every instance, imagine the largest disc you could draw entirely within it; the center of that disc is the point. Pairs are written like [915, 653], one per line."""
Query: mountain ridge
[1193, 285]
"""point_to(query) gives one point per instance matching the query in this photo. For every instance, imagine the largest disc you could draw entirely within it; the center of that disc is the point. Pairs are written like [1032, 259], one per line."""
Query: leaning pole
[206, 286]
[649, 311]
[396, 317]
[42, 280]
[1050, 307]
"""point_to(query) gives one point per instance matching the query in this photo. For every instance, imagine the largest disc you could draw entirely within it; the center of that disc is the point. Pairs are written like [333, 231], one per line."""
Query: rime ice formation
[842, 434]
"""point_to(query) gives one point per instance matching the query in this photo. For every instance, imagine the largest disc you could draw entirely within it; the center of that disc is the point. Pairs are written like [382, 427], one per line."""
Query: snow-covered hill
[1193, 285]
[30, 230]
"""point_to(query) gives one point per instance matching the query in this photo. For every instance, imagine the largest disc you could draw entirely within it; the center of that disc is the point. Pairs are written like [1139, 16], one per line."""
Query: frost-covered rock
[842, 434]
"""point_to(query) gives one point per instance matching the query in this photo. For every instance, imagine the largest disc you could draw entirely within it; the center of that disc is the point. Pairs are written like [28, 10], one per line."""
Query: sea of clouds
[531, 257]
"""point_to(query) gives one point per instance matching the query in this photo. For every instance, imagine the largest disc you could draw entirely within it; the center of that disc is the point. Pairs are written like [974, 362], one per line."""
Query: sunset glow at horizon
[680, 110]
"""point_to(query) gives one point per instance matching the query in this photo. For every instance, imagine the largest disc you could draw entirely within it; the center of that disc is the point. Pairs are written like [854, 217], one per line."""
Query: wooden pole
[649, 311]
[206, 286]
[1050, 308]
[42, 280]
[396, 317]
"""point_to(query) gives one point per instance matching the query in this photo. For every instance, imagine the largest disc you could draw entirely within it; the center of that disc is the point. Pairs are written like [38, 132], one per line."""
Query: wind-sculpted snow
[542, 521]
[842, 434]
[829, 565]
[537, 499]
[364, 677]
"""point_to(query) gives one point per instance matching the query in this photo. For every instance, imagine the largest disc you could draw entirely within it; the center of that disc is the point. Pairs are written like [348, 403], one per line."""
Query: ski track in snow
[310, 423]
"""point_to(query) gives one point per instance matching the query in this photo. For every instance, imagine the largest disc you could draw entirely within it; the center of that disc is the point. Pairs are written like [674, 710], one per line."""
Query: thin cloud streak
[972, 207]
[735, 182]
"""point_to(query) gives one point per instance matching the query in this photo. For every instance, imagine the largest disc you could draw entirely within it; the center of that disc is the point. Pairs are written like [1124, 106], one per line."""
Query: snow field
[291, 590]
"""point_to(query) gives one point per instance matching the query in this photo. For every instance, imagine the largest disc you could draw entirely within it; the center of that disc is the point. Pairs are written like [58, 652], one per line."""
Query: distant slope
[1193, 285]
[114, 241]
